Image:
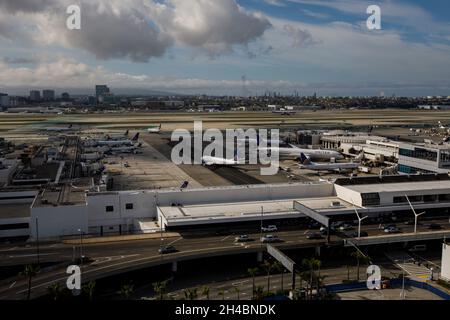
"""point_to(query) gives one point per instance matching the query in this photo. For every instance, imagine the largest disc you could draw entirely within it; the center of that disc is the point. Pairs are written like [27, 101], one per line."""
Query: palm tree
[268, 267]
[236, 288]
[279, 268]
[127, 290]
[89, 289]
[253, 272]
[30, 271]
[205, 292]
[304, 276]
[56, 290]
[160, 288]
[259, 293]
[312, 264]
[360, 257]
[221, 293]
[190, 294]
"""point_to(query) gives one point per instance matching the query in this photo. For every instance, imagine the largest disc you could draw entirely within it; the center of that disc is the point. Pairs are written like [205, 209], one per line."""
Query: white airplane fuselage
[313, 154]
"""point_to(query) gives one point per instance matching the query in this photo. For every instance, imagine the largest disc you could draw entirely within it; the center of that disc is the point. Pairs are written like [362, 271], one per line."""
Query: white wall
[58, 221]
[445, 267]
[348, 195]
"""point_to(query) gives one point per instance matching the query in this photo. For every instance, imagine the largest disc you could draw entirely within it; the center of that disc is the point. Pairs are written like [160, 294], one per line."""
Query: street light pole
[416, 215]
[81, 247]
[261, 226]
[359, 220]
[37, 241]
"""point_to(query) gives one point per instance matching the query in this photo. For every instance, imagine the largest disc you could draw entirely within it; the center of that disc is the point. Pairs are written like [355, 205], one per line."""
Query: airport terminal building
[124, 212]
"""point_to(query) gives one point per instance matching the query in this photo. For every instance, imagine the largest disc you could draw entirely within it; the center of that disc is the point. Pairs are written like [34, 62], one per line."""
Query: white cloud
[136, 30]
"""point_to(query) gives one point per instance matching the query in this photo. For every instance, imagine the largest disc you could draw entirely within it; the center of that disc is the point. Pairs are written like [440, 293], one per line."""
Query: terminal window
[129, 206]
[370, 199]
[109, 208]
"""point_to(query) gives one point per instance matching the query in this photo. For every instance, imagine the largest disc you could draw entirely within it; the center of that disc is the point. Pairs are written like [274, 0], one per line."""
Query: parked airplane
[258, 141]
[154, 129]
[217, 161]
[285, 112]
[117, 143]
[117, 136]
[305, 163]
[314, 154]
[125, 149]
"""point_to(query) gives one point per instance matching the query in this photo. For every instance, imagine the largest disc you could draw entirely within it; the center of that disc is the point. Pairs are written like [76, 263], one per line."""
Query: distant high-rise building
[101, 90]
[65, 96]
[48, 95]
[35, 95]
[92, 100]
[4, 100]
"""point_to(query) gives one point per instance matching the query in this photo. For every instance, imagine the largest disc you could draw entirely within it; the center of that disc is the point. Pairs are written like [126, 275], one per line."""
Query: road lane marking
[12, 285]
[170, 243]
[31, 255]
[225, 238]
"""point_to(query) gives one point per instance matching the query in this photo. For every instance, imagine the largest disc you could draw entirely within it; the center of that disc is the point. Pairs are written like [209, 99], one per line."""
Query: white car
[270, 239]
[271, 228]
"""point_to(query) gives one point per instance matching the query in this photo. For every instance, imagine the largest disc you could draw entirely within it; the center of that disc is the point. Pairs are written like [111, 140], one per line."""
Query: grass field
[223, 120]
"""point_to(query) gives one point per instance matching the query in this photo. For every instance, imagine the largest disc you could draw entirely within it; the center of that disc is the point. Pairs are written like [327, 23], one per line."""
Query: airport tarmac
[148, 170]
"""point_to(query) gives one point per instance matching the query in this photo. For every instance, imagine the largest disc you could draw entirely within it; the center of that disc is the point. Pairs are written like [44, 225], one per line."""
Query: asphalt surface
[118, 257]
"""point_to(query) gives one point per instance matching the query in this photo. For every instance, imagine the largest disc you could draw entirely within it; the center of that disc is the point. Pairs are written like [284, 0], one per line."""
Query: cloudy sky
[227, 46]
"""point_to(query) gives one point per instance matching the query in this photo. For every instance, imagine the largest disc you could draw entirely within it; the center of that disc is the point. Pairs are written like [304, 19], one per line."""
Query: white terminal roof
[246, 209]
[401, 187]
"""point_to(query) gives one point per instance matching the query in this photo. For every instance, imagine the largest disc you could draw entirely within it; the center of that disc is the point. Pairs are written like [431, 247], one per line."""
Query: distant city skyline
[227, 47]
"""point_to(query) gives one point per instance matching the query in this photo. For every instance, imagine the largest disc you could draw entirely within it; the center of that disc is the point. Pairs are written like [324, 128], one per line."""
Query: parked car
[314, 236]
[167, 249]
[271, 228]
[270, 239]
[242, 238]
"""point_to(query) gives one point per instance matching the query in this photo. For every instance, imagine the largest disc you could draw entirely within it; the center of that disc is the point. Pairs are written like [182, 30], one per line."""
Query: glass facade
[420, 153]
[370, 199]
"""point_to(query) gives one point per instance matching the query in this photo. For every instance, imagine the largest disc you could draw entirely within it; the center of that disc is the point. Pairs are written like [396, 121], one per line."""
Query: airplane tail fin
[304, 159]
[136, 137]
[238, 157]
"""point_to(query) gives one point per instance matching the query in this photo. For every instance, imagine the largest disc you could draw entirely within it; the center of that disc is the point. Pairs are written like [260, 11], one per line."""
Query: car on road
[391, 229]
[314, 236]
[345, 227]
[167, 249]
[270, 239]
[418, 248]
[271, 228]
[435, 226]
[324, 230]
[242, 238]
